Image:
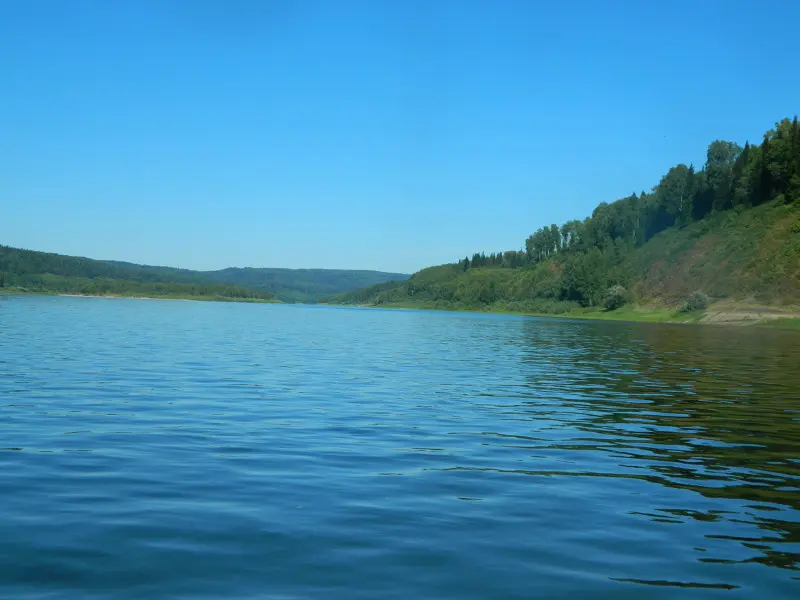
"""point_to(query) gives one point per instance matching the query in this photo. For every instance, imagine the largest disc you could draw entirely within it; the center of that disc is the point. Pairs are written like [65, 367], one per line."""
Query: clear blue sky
[374, 134]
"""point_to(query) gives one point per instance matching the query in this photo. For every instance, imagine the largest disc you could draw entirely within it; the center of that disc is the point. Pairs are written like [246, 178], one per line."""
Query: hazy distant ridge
[30, 270]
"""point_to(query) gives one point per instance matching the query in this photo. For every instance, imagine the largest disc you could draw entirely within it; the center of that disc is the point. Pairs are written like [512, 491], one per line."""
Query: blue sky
[372, 134]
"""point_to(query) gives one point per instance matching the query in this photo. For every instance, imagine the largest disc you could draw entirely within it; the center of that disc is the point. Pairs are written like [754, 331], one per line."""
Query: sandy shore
[126, 297]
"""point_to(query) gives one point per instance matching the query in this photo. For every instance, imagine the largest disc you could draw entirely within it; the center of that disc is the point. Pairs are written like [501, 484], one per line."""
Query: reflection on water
[188, 450]
[715, 411]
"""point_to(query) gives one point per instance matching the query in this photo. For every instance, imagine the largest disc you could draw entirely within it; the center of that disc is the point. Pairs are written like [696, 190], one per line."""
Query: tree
[540, 245]
[703, 197]
[656, 216]
[555, 237]
[675, 191]
[601, 226]
[616, 297]
[584, 277]
[793, 191]
[742, 177]
[720, 158]
[696, 301]
[513, 259]
[630, 215]
[765, 183]
[569, 234]
[780, 156]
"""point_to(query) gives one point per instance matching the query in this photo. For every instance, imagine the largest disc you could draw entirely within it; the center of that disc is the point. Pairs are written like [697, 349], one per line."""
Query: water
[157, 449]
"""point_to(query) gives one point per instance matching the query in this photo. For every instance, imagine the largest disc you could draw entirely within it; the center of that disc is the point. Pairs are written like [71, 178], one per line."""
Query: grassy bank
[723, 313]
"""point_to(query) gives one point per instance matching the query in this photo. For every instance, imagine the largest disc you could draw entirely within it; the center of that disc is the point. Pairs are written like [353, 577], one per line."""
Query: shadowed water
[157, 449]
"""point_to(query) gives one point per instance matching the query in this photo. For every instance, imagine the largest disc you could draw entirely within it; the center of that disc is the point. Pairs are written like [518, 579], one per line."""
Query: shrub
[697, 301]
[616, 296]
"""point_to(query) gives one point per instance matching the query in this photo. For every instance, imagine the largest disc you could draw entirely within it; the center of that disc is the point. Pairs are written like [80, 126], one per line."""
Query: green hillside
[302, 285]
[44, 272]
[28, 270]
[730, 230]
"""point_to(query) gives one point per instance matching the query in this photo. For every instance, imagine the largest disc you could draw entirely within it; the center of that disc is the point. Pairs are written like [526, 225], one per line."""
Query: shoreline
[116, 297]
[727, 313]
[740, 314]
[4, 291]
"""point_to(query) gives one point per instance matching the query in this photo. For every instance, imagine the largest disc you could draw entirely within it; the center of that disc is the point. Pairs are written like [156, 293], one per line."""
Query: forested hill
[730, 229]
[29, 270]
[303, 285]
[32, 271]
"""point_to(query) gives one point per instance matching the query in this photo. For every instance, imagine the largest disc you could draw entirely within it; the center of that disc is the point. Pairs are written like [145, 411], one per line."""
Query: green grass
[791, 324]
[650, 313]
[631, 313]
[735, 254]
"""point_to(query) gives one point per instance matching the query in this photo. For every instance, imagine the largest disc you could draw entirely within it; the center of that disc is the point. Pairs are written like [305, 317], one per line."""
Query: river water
[166, 449]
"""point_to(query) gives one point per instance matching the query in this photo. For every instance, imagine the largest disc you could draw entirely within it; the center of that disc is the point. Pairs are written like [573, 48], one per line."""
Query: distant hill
[30, 270]
[730, 230]
[302, 285]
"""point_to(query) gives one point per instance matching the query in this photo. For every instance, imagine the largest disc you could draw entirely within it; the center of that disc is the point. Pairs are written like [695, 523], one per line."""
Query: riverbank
[186, 298]
[720, 313]
[178, 298]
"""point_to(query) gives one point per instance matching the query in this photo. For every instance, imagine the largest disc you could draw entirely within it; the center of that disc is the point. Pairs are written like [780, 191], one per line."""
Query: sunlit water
[157, 449]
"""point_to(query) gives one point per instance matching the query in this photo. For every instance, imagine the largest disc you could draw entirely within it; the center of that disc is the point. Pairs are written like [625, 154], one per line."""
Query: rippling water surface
[156, 449]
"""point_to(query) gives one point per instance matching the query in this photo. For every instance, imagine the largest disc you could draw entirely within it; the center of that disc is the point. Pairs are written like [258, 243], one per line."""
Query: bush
[697, 301]
[616, 296]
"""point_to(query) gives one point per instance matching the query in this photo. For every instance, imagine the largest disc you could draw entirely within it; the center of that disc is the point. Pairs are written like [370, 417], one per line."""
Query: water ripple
[198, 450]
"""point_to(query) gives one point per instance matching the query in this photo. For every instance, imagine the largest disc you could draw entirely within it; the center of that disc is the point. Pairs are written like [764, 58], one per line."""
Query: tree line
[581, 260]
[733, 177]
[32, 271]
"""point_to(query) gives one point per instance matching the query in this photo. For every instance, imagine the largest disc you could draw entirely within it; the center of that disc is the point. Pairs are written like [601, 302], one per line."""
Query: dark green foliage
[28, 270]
[47, 272]
[101, 286]
[18, 263]
[721, 161]
[616, 297]
[302, 285]
[697, 301]
[694, 225]
[544, 243]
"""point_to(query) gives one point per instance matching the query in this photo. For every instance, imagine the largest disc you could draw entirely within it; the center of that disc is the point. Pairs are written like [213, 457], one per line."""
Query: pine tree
[793, 191]
[738, 183]
[764, 192]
